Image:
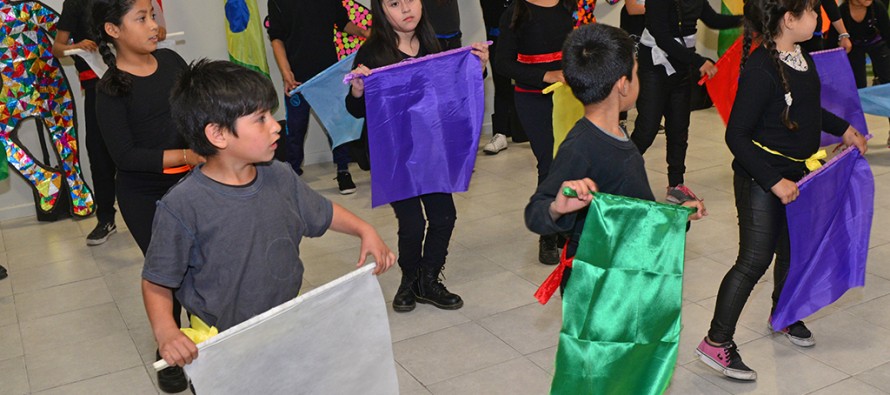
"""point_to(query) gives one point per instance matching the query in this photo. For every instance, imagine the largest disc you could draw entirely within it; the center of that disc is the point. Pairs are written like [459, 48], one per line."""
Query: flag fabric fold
[839, 94]
[424, 119]
[621, 306]
[876, 100]
[325, 92]
[567, 110]
[829, 226]
[723, 86]
[244, 35]
[334, 339]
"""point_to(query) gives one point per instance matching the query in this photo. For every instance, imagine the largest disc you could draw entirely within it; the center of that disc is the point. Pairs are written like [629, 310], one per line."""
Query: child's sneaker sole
[797, 341]
[728, 372]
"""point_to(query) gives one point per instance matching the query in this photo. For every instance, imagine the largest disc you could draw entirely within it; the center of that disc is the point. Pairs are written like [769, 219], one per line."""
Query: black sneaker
[548, 253]
[344, 182]
[100, 234]
[172, 380]
[797, 333]
[3, 273]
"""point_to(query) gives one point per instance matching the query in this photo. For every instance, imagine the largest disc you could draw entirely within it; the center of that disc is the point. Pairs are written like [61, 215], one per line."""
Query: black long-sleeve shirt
[138, 127]
[757, 116]
[543, 33]
[306, 27]
[616, 167]
[666, 23]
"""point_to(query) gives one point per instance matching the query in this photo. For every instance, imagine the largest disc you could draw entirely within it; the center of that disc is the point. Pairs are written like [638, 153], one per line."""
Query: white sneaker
[497, 144]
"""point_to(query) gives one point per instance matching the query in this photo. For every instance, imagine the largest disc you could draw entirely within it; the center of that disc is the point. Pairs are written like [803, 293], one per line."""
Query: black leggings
[415, 250]
[536, 114]
[763, 231]
[137, 198]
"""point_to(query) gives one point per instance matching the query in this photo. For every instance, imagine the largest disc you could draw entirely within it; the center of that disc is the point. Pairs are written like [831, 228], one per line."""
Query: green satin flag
[621, 306]
[4, 167]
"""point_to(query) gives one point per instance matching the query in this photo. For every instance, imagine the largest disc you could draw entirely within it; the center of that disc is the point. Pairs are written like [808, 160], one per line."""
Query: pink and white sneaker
[725, 359]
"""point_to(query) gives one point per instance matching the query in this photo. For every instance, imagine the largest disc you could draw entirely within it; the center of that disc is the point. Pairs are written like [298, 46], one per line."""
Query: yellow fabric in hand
[567, 110]
[199, 331]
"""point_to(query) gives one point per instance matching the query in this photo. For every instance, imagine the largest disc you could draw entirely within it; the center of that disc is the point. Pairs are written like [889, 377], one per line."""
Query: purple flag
[829, 226]
[839, 93]
[424, 118]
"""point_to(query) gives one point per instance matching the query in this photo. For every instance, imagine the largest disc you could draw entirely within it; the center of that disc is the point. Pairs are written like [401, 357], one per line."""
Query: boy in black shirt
[301, 33]
[597, 155]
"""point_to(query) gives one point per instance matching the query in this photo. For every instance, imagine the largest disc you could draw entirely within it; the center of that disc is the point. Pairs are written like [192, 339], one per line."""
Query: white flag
[332, 340]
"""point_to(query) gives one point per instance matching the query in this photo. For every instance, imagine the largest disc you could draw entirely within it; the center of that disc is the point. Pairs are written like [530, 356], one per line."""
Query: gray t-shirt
[232, 252]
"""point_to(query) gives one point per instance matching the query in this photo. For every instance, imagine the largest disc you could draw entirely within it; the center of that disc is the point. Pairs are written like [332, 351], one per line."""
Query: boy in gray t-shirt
[227, 237]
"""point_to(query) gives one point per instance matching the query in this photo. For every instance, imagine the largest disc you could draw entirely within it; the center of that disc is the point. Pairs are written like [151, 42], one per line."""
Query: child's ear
[622, 85]
[216, 135]
[112, 30]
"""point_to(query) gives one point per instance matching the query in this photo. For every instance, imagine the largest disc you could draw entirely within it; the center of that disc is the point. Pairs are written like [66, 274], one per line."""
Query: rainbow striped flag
[727, 37]
[244, 35]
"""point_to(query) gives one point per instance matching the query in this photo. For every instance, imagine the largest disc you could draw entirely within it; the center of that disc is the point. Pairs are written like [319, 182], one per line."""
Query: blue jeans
[297, 109]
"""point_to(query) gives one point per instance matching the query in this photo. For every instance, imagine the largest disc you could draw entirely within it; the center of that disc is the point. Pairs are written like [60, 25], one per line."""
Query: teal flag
[621, 306]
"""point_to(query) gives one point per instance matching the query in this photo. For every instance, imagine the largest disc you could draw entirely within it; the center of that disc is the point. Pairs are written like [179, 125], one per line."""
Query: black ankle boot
[547, 251]
[404, 300]
[429, 289]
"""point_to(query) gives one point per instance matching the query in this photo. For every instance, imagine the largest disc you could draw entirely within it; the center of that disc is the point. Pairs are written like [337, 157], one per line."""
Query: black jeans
[415, 250]
[536, 114]
[101, 165]
[665, 96]
[763, 232]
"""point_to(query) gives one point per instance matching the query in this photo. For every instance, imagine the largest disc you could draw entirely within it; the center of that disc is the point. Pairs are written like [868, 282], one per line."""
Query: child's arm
[354, 30]
[175, 347]
[634, 7]
[344, 221]
[853, 137]
[280, 53]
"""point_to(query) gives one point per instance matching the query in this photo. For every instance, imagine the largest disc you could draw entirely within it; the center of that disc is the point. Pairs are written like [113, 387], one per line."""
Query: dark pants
[880, 62]
[297, 109]
[137, 198]
[663, 96]
[504, 119]
[415, 250]
[763, 232]
[452, 42]
[536, 114]
[101, 164]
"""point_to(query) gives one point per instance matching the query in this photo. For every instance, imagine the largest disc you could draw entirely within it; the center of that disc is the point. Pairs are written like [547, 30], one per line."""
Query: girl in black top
[777, 107]
[400, 32]
[530, 52]
[134, 118]
[667, 60]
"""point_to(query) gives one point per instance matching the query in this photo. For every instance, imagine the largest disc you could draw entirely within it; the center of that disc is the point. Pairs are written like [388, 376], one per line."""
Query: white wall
[202, 21]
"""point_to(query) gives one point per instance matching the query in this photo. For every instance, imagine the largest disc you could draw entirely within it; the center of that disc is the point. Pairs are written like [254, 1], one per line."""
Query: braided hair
[115, 82]
[762, 23]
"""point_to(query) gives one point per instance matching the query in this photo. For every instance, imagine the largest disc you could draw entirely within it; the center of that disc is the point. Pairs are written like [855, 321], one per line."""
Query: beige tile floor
[72, 322]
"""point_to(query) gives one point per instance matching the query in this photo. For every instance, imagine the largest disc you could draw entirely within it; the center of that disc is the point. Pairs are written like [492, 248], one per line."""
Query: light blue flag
[326, 93]
[876, 100]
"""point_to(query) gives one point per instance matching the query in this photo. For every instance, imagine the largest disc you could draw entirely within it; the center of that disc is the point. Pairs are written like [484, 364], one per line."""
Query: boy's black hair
[217, 92]
[594, 58]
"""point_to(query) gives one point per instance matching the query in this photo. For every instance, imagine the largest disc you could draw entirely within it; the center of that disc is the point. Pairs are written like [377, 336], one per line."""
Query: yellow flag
[567, 110]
